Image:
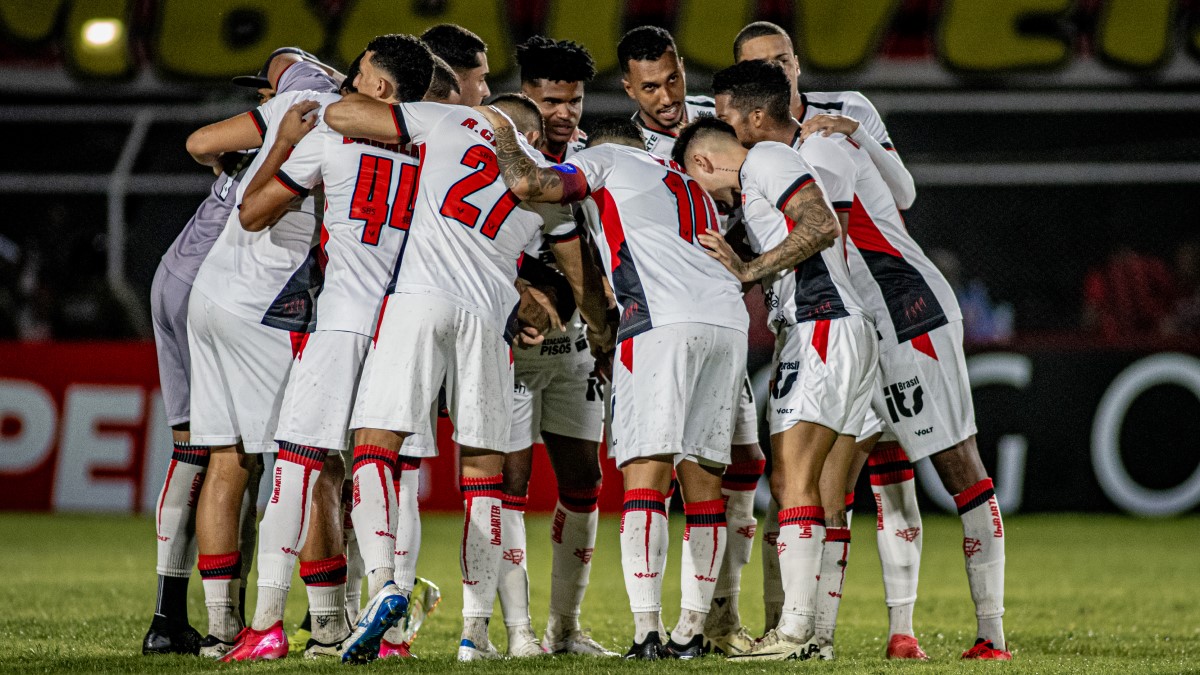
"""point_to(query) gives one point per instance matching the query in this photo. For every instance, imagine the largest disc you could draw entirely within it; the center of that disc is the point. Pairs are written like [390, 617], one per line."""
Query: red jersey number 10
[696, 215]
[370, 200]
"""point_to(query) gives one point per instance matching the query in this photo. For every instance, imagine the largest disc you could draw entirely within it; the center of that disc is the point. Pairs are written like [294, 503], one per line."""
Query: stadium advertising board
[82, 429]
[184, 40]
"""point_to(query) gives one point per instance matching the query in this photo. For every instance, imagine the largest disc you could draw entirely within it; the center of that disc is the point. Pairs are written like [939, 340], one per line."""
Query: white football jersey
[900, 288]
[850, 104]
[268, 276]
[649, 215]
[370, 188]
[468, 228]
[819, 287]
[662, 141]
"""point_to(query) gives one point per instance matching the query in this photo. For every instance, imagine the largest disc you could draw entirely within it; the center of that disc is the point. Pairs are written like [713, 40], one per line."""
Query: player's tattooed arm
[522, 175]
[266, 199]
[815, 230]
[359, 116]
[587, 285]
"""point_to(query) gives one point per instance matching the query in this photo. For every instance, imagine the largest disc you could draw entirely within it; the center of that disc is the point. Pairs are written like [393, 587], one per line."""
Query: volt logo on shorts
[897, 396]
[781, 385]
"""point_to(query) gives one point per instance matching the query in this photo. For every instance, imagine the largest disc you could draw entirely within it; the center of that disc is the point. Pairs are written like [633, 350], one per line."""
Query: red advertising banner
[82, 428]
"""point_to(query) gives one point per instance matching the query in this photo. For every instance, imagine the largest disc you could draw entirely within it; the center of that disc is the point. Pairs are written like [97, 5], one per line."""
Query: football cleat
[380, 614]
[778, 646]
[259, 645]
[314, 650]
[467, 651]
[391, 650]
[984, 651]
[212, 647]
[694, 649]
[165, 637]
[575, 642]
[902, 646]
[649, 649]
[523, 644]
[730, 644]
[422, 601]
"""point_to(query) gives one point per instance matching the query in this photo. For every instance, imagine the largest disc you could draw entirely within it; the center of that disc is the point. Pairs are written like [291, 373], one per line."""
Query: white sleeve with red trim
[301, 171]
[269, 113]
[873, 136]
[835, 167]
[415, 121]
[776, 172]
[595, 164]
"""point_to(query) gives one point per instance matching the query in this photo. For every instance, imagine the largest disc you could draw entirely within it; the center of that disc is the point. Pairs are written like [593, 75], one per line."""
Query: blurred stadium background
[1054, 143]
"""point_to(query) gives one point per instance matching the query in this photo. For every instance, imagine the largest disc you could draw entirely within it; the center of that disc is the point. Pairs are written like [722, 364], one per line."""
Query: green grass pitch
[1085, 594]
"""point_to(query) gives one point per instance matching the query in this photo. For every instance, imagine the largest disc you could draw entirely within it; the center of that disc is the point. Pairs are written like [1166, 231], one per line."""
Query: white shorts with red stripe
[675, 392]
[320, 391]
[924, 394]
[424, 341]
[239, 369]
[824, 374]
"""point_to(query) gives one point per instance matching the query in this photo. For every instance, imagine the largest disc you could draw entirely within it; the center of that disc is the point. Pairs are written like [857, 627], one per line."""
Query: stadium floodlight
[101, 33]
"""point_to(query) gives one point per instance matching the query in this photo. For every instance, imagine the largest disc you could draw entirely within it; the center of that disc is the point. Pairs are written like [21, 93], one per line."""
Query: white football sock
[354, 570]
[703, 551]
[834, 558]
[375, 514]
[572, 541]
[983, 548]
[481, 546]
[408, 521]
[284, 528]
[644, 541]
[219, 574]
[737, 487]
[772, 581]
[514, 575]
[326, 584]
[898, 532]
[175, 517]
[801, 540]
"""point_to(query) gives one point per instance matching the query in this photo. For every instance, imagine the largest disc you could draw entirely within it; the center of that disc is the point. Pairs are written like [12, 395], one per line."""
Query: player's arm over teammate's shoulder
[267, 196]
[559, 184]
[781, 175]
[860, 122]
[837, 171]
[360, 116]
[240, 132]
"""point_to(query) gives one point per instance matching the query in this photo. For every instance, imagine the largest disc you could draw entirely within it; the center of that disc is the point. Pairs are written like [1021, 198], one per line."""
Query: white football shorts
[745, 425]
[424, 341]
[924, 394]
[239, 370]
[554, 391]
[824, 374]
[676, 391]
[319, 396]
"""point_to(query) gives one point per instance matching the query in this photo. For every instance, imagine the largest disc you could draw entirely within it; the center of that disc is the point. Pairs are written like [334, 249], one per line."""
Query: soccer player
[454, 288]
[466, 54]
[554, 396]
[229, 472]
[680, 362]
[368, 191]
[656, 80]
[169, 630]
[825, 354]
[918, 316]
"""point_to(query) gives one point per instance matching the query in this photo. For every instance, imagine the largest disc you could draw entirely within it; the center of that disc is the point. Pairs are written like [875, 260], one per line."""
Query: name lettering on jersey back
[486, 133]
[391, 147]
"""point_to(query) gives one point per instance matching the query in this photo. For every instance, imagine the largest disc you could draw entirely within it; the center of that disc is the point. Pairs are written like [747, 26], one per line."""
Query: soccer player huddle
[380, 247]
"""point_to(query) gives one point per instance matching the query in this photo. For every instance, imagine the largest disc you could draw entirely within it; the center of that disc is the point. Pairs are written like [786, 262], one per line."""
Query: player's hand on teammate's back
[536, 315]
[828, 124]
[493, 115]
[298, 121]
[716, 247]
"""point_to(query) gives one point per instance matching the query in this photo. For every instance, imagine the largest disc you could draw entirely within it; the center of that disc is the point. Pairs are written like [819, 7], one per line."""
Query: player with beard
[555, 396]
[654, 77]
[920, 339]
[891, 472]
[466, 54]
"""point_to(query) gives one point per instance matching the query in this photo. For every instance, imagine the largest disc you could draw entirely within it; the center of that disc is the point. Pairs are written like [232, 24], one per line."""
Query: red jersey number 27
[370, 201]
[484, 171]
